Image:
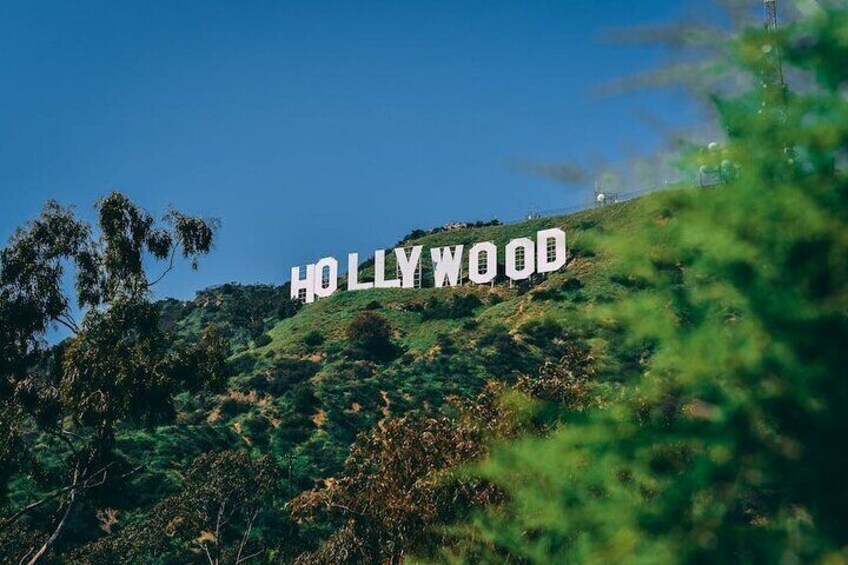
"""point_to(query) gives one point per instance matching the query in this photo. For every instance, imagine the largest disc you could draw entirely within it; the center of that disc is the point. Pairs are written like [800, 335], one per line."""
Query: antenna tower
[774, 66]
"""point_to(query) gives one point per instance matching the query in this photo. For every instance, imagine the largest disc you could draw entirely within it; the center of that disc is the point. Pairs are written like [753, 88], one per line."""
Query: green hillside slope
[302, 391]
[303, 385]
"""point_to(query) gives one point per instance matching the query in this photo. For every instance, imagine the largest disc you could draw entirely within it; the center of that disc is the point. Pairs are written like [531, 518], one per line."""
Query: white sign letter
[306, 284]
[491, 271]
[550, 250]
[408, 265]
[332, 278]
[353, 274]
[520, 255]
[446, 265]
[380, 272]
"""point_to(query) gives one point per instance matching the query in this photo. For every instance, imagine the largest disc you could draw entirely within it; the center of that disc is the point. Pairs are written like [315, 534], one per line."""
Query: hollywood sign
[523, 258]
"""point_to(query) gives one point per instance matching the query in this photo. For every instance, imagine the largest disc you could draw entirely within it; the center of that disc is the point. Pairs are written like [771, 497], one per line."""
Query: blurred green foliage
[725, 447]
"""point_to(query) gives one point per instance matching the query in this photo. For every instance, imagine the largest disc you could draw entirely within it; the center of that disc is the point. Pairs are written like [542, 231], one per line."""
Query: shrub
[446, 344]
[288, 372]
[233, 407]
[470, 324]
[262, 340]
[304, 400]
[456, 306]
[313, 339]
[548, 293]
[288, 308]
[504, 353]
[542, 333]
[257, 428]
[370, 337]
[570, 285]
[242, 364]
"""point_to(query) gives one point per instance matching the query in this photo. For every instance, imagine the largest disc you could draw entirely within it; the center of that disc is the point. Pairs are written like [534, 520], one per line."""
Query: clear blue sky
[314, 128]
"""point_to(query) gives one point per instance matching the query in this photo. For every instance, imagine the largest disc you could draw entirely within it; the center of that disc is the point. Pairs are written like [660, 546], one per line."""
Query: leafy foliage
[241, 312]
[215, 513]
[723, 450]
[456, 306]
[370, 337]
[117, 368]
[401, 486]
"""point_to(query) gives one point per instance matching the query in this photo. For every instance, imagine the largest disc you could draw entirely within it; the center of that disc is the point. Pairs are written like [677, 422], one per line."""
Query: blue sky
[316, 128]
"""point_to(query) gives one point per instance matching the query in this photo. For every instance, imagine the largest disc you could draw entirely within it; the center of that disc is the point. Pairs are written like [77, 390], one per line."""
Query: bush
[232, 407]
[304, 400]
[470, 324]
[282, 377]
[542, 333]
[257, 428]
[262, 340]
[571, 285]
[545, 294]
[370, 337]
[456, 306]
[288, 308]
[504, 353]
[725, 450]
[446, 344]
[242, 364]
[313, 339]
[288, 372]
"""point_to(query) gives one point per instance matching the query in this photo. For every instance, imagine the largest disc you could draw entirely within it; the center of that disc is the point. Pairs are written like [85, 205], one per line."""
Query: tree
[117, 367]
[728, 448]
[394, 491]
[216, 513]
[403, 482]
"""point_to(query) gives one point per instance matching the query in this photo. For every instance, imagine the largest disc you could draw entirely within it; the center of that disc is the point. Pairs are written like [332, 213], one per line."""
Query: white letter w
[446, 265]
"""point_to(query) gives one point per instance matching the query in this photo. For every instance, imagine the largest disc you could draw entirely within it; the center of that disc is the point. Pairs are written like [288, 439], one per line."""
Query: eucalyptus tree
[116, 368]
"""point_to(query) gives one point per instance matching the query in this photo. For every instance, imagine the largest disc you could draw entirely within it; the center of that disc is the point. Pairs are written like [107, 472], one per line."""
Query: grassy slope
[351, 399]
[589, 266]
[287, 398]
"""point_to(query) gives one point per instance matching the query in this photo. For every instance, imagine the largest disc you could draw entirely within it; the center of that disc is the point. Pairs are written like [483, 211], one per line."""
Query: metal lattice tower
[774, 68]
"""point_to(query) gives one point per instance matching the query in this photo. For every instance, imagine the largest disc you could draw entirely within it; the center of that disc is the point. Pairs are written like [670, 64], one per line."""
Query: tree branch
[27, 554]
[58, 531]
[11, 519]
[62, 436]
[80, 488]
[170, 264]
[68, 325]
[208, 555]
[244, 539]
[248, 557]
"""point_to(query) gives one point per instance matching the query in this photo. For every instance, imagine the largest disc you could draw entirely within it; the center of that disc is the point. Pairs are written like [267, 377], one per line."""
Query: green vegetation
[724, 447]
[67, 406]
[674, 395]
[303, 384]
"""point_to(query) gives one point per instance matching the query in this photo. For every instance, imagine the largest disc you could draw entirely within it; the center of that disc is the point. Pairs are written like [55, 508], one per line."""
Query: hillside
[298, 389]
[303, 386]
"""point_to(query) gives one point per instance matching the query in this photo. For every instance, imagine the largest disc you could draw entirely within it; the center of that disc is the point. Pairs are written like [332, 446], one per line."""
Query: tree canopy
[117, 367]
